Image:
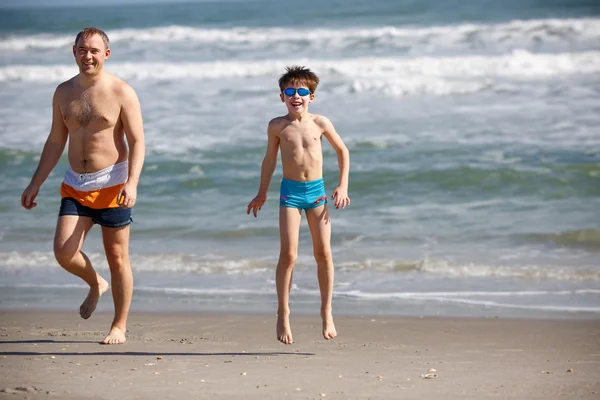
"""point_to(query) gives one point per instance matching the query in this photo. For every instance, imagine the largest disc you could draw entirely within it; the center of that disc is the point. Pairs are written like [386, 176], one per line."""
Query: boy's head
[298, 87]
[298, 75]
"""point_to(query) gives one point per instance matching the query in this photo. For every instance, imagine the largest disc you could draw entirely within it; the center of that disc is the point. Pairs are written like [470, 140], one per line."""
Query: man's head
[298, 87]
[91, 50]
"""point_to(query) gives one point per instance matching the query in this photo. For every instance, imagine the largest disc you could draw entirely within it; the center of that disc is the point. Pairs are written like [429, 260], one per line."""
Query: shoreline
[67, 301]
[231, 355]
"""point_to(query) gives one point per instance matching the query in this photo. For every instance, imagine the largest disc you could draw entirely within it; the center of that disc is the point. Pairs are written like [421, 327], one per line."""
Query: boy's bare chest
[296, 138]
[90, 110]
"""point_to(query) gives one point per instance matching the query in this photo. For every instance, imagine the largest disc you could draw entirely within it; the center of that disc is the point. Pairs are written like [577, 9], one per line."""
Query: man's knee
[117, 257]
[64, 252]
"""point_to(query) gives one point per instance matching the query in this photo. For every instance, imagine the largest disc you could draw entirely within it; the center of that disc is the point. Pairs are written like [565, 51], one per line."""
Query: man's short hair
[91, 31]
[299, 74]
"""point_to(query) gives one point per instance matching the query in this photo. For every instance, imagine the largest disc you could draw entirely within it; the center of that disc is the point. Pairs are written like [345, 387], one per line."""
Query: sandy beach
[192, 356]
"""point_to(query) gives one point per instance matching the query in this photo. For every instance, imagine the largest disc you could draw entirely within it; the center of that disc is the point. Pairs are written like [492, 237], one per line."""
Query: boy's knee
[323, 255]
[287, 258]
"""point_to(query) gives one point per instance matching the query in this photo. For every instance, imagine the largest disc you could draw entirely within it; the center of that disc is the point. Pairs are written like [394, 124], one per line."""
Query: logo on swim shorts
[283, 199]
[322, 198]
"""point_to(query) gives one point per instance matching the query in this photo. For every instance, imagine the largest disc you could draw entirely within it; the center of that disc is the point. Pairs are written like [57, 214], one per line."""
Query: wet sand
[209, 356]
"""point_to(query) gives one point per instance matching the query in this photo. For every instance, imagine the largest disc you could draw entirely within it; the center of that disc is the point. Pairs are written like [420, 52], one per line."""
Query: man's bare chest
[90, 112]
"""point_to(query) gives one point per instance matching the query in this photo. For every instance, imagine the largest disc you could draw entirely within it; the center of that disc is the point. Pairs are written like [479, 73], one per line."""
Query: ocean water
[472, 128]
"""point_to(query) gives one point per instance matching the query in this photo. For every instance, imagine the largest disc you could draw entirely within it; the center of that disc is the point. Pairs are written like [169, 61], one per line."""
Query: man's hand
[341, 197]
[256, 205]
[29, 195]
[127, 196]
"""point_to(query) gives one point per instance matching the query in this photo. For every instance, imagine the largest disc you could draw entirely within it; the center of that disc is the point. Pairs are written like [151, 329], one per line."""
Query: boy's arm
[131, 116]
[267, 168]
[270, 161]
[343, 155]
[53, 149]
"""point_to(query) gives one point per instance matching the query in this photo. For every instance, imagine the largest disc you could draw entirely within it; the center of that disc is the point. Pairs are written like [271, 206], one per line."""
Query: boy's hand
[256, 205]
[341, 197]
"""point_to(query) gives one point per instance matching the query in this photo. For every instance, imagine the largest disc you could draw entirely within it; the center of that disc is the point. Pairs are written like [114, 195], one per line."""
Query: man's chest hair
[89, 109]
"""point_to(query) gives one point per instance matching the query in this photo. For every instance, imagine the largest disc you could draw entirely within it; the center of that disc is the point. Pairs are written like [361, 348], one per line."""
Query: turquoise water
[472, 127]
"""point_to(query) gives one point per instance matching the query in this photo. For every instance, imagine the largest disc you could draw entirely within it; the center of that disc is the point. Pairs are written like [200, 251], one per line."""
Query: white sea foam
[484, 299]
[530, 272]
[394, 76]
[207, 264]
[533, 33]
[188, 263]
[521, 300]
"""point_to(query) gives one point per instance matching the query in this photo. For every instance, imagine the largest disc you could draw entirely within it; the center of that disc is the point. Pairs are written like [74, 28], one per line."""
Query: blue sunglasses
[301, 92]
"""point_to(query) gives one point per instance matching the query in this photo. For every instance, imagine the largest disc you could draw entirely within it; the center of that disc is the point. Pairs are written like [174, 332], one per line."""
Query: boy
[298, 134]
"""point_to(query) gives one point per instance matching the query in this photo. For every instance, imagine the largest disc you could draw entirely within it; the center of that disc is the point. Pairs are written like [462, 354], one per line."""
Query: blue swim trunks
[302, 195]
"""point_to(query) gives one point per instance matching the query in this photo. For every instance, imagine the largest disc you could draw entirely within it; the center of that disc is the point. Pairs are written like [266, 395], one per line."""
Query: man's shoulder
[118, 85]
[121, 90]
[66, 85]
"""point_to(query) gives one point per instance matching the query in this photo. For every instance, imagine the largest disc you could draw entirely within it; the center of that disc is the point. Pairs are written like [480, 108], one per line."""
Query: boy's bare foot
[89, 304]
[284, 331]
[329, 331]
[115, 336]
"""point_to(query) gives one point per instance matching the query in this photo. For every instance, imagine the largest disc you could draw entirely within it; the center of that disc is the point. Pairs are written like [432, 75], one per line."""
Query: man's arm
[131, 117]
[267, 168]
[343, 155]
[53, 149]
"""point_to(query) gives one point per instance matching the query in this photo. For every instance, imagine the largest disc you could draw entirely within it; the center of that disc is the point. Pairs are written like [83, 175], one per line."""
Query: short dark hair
[300, 75]
[91, 31]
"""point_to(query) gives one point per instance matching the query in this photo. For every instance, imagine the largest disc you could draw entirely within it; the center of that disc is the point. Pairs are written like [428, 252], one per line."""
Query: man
[100, 117]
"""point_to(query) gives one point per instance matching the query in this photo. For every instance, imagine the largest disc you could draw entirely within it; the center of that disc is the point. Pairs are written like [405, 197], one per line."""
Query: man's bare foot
[89, 304]
[115, 336]
[329, 331]
[284, 330]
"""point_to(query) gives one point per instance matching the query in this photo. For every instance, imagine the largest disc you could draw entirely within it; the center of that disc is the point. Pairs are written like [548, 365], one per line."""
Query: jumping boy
[298, 134]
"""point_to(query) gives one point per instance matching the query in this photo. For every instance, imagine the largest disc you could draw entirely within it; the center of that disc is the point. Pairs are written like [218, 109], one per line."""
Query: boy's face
[296, 103]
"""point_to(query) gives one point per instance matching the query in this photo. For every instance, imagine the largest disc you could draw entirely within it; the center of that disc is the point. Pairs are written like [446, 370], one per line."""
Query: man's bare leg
[116, 245]
[289, 229]
[68, 241]
[319, 223]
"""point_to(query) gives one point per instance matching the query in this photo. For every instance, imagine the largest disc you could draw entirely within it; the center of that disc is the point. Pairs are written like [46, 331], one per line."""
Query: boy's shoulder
[278, 123]
[278, 120]
[321, 120]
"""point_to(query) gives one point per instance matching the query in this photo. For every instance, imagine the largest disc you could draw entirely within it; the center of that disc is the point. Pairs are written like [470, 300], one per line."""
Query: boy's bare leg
[289, 229]
[116, 246]
[68, 241]
[319, 223]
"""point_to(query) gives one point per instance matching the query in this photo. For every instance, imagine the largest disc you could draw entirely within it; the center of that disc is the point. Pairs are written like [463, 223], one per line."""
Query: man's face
[90, 54]
[297, 104]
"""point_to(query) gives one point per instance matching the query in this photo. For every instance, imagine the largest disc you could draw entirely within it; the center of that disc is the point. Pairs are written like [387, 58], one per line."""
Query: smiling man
[100, 117]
